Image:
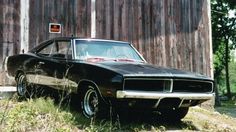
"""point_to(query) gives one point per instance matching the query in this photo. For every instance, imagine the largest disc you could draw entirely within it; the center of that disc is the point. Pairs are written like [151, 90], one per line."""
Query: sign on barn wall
[54, 28]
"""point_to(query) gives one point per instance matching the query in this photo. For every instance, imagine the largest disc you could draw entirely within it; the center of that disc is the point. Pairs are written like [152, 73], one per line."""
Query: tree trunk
[227, 69]
[217, 99]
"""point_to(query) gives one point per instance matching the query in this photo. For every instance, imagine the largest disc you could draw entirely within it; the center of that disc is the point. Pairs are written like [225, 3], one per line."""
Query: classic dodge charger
[106, 72]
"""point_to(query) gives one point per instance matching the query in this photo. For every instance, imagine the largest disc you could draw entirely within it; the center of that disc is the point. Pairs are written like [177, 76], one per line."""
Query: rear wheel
[24, 89]
[22, 86]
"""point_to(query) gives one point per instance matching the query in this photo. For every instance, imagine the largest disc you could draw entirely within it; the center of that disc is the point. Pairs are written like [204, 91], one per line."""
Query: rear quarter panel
[20, 62]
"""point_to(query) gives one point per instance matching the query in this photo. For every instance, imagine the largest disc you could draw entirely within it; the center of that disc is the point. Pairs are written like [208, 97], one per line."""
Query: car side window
[48, 50]
[62, 49]
[57, 49]
[69, 54]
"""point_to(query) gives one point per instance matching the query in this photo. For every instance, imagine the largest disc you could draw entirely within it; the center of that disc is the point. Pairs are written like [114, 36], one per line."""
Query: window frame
[56, 45]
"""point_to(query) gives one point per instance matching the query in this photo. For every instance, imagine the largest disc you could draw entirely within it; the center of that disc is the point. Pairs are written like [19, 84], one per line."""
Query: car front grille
[168, 85]
[192, 86]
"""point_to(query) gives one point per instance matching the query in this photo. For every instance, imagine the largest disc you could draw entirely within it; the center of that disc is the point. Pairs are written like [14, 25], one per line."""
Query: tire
[22, 86]
[91, 103]
[174, 115]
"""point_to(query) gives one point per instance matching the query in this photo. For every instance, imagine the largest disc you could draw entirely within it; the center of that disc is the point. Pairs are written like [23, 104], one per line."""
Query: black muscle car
[106, 72]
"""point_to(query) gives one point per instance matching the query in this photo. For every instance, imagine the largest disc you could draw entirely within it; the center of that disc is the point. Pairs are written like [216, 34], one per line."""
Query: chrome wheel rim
[21, 86]
[90, 102]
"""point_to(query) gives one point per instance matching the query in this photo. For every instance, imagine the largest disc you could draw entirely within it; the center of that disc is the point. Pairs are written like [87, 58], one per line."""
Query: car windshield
[105, 50]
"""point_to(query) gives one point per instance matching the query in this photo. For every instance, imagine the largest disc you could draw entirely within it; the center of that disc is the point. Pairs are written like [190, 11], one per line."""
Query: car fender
[83, 82]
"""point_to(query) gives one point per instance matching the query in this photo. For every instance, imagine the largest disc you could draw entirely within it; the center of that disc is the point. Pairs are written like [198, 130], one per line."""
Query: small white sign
[54, 28]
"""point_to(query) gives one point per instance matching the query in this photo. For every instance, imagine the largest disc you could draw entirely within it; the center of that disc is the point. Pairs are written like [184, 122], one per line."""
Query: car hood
[147, 70]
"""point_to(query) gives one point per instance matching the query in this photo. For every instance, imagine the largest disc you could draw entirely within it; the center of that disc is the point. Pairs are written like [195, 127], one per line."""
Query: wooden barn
[170, 33]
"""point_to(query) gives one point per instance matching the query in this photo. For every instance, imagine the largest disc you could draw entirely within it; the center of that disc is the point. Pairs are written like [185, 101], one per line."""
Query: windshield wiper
[95, 59]
[100, 59]
[125, 59]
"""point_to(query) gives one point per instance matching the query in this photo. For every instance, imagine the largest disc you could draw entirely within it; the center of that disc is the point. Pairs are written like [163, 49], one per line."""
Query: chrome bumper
[155, 95]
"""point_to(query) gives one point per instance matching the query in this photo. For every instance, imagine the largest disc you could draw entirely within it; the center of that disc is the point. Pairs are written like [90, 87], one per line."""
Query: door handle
[38, 66]
[41, 63]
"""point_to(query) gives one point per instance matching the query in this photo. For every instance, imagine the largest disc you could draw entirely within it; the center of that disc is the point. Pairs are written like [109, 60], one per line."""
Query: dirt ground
[197, 119]
[205, 120]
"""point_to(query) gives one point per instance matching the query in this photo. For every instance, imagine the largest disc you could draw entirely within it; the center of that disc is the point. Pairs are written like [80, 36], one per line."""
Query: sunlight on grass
[43, 114]
[36, 115]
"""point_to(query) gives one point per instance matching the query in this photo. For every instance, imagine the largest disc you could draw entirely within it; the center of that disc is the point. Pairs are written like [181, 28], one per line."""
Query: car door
[51, 68]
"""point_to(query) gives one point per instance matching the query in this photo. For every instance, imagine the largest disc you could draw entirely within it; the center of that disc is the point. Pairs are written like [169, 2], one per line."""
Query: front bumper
[159, 100]
[154, 95]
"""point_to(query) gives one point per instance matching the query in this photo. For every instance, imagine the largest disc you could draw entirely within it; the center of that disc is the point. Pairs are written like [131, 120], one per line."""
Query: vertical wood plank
[116, 19]
[9, 33]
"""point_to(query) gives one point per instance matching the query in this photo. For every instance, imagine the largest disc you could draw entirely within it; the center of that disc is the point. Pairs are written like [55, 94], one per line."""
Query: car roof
[93, 39]
[43, 43]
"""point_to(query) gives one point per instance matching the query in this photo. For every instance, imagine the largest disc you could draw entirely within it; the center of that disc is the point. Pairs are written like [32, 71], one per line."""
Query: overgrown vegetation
[232, 78]
[35, 115]
[42, 114]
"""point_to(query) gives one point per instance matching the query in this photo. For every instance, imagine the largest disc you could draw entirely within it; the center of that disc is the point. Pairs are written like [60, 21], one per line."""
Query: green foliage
[223, 32]
[223, 38]
[232, 77]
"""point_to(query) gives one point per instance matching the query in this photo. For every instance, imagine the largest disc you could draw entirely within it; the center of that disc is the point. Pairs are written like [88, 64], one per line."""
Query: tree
[223, 37]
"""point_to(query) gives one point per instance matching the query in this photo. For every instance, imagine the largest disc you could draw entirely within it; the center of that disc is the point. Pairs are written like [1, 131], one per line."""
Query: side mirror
[63, 56]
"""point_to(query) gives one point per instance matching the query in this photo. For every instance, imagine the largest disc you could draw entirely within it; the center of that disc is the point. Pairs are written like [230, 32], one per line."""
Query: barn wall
[9, 32]
[74, 15]
[173, 33]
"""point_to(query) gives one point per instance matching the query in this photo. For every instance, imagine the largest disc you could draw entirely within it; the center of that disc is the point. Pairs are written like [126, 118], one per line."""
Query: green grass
[35, 115]
[44, 115]
[227, 108]
[229, 104]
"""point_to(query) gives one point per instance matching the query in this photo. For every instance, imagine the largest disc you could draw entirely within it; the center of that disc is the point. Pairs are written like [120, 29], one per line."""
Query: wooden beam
[24, 28]
[210, 39]
[93, 19]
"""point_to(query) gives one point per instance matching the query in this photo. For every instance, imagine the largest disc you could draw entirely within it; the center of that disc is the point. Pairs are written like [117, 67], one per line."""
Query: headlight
[117, 79]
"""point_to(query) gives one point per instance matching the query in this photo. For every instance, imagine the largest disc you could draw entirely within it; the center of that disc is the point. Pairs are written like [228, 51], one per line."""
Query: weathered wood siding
[74, 15]
[173, 33]
[9, 32]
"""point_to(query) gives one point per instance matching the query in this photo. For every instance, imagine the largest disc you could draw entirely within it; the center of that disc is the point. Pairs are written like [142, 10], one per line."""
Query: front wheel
[90, 102]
